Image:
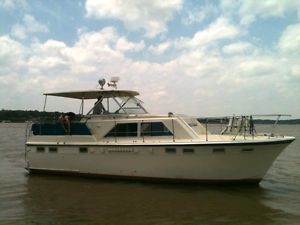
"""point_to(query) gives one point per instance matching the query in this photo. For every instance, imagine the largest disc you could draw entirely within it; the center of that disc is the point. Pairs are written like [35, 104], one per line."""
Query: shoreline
[22, 116]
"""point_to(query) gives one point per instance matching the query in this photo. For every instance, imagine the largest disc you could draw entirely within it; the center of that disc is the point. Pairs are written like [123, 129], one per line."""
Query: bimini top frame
[94, 94]
[121, 98]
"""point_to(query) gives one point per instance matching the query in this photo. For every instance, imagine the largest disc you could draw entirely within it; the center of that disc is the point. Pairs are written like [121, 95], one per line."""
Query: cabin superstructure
[121, 114]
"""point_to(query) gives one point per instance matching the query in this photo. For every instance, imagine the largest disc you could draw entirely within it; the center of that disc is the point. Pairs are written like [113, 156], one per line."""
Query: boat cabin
[119, 114]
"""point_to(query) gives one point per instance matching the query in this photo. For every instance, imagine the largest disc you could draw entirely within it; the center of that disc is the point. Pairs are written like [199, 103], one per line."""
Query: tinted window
[123, 130]
[154, 129]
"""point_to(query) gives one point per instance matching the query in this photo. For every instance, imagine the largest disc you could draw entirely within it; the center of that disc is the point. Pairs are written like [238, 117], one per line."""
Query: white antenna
[113, 82]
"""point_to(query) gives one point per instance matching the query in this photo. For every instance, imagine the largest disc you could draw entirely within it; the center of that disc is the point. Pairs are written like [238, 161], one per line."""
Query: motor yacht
[118, 138]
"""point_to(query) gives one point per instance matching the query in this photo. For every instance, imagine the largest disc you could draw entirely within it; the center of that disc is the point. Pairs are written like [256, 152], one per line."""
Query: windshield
[118, 105]
[194, 124]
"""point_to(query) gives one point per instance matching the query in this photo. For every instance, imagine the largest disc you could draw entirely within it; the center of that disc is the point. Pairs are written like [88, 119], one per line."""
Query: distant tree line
[256, 121]
[293, 121]
[32, 115]
[26, 115]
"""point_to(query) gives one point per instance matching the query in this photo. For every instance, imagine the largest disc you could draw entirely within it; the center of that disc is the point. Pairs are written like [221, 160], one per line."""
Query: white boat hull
[207, 163]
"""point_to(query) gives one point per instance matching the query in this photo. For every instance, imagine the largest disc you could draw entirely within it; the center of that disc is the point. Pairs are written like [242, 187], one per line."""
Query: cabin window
[170, 150]
[52, 150]
[123, 130]
[154, 129]
[40, 149]
[83, 150]
[219, 150]
[188, 150]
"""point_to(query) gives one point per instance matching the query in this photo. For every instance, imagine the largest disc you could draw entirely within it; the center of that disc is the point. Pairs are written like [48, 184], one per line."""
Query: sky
[202, 58]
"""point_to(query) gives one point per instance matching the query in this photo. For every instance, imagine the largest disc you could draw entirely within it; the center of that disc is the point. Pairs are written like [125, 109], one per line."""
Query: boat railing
[242, 125]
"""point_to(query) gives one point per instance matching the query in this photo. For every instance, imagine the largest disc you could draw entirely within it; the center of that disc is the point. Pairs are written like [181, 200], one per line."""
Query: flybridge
[111, 101]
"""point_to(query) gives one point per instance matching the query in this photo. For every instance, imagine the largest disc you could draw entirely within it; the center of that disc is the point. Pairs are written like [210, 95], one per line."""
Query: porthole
[83, 150]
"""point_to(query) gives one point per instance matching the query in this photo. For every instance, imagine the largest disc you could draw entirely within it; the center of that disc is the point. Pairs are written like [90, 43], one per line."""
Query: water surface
[41, 199]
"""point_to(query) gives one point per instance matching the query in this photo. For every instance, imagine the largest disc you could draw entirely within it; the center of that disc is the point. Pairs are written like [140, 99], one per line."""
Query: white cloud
[295, 70]
[289, 49]
[151, 16]
[124, 45]
[12, 4]
[19, 31]
[256, 67]
[160, 48]
[194, 14]
[93, 53]
[290, 39]
[216, 31]
[48, 58]
[29, 25]
[198, 63]
[94, 50]
[11, 55]
[194, 17]
[238, 47]
[97, 47]
[249, 10]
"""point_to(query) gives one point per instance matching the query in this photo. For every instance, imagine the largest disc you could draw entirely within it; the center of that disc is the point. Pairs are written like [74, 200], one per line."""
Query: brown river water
[42, 199]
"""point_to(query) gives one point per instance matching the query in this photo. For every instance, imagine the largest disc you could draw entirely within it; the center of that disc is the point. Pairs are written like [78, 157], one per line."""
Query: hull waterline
[205, 163]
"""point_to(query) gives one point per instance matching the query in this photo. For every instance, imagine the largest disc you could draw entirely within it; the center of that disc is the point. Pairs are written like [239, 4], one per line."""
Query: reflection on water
[63, 200]
[86, 201]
